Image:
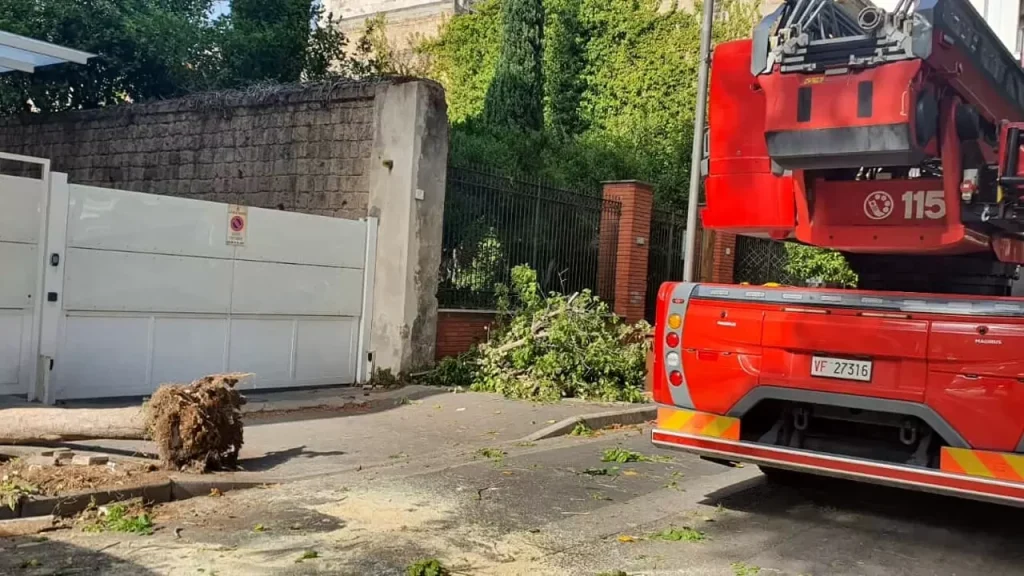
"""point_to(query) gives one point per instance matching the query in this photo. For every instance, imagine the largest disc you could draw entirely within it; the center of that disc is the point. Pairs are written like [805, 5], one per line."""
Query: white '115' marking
[919, 205]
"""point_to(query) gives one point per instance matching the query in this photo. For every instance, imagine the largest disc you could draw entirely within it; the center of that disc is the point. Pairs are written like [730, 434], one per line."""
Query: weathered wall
[407, 188]
[296, 149]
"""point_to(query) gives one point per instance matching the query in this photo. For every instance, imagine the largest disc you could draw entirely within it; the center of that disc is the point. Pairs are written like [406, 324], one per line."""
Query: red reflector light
[672, 339]
[676, 377]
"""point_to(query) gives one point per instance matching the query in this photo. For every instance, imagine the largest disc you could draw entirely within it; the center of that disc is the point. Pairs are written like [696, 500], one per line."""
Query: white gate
[22, 209]
[141, 289]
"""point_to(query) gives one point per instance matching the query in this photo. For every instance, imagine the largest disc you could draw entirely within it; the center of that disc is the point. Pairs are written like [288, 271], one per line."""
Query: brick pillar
[724, 257]
[637, 199]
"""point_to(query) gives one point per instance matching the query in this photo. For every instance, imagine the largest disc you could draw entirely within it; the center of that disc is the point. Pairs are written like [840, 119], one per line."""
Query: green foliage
[581, 429]
[552, 347]
[564, 62]
[744, 569]
[13, 488]
[429, 567]
[454, 371]
[683, 534]
[806, 263]
[463, 58]
[123, 518]
[307, 555]
[514, 98]
[622, 456]
[280, 41]
[619, 93]
[493, 454]
[150, 49]
[145, 49]
[547, 347]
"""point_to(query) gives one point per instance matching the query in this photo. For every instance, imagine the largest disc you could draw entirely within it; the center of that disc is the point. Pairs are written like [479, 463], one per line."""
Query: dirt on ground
[61, 480]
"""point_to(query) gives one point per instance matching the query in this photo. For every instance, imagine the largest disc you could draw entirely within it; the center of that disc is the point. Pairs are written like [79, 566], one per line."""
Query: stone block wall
[302, 149]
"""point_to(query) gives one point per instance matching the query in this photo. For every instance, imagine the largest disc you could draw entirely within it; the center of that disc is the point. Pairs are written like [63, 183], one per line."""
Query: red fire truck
[893, 138]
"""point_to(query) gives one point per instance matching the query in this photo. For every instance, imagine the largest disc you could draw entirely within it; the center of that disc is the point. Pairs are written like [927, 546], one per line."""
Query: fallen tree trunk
[196, 426]
[48, 424]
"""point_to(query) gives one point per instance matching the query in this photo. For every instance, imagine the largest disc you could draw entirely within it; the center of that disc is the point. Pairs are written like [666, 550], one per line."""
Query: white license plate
[841, 368]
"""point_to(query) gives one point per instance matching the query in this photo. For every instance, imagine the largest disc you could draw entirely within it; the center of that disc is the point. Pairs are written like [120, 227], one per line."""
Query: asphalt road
[555, 508]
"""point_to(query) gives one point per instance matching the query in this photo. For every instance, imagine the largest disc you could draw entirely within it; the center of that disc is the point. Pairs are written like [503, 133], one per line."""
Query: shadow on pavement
[359, 406]
[35, 556]
[832, 494]
[273, 459]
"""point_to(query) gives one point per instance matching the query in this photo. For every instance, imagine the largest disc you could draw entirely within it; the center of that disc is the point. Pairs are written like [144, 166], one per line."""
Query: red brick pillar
[723, 257]
[630, 287]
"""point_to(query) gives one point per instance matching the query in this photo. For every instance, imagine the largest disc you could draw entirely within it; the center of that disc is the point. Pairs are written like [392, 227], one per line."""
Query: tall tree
[515, 98]
[145, 49]
[564, 63]
[269, 39]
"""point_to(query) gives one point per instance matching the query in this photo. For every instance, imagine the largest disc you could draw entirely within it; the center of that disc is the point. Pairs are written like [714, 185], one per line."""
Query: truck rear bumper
[926, 480]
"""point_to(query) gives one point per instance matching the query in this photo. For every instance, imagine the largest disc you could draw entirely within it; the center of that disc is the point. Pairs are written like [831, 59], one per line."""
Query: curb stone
[154, 493]
[596, 421]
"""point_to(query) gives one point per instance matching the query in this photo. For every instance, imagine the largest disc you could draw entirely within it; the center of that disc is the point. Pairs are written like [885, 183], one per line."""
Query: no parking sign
[238, 224]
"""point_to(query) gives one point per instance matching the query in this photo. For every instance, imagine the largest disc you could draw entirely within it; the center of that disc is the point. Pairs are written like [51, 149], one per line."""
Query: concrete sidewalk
[296, 435]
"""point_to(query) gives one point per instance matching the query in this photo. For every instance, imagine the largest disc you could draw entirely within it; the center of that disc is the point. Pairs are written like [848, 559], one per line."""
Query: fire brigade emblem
[878, 205]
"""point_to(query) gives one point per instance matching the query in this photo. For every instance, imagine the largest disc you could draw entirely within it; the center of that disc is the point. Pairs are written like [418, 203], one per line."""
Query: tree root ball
[198, 427]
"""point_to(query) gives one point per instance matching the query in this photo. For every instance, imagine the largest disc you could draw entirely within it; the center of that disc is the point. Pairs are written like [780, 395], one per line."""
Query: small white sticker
[238, 224]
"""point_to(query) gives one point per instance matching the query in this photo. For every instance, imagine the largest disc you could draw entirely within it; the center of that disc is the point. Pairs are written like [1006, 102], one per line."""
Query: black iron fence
[759, 261]
[493, 223]
[665, 255]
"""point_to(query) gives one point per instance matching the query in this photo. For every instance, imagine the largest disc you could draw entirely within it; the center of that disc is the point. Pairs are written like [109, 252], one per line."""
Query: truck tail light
[672, 339]
[675, 377]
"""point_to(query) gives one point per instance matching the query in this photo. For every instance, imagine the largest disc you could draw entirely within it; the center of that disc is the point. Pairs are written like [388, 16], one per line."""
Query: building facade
[407, 20]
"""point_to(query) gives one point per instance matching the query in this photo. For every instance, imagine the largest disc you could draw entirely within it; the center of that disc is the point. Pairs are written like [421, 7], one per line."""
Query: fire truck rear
[892, 137]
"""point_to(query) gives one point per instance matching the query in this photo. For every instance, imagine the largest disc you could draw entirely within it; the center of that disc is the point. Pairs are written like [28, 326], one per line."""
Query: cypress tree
[515, 98]
[564, 45]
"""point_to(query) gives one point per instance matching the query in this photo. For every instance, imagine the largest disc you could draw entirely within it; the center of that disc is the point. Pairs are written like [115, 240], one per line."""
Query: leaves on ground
[626, 539]
[129, 518]
[308, 555]
[582, 429]
[613, 573]
[259, 528]
[30, 563]
[684, 534]
[494, 454]
[428, 567]
[601, 471]
[12, 488]
[623, 456]
[744, 569]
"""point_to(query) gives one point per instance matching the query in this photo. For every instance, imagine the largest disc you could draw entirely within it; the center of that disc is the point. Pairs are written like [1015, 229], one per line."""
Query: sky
[220, 8]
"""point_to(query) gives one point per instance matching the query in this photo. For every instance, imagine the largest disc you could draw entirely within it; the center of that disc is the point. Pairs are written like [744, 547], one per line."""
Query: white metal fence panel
[22, 201]
[153, 291]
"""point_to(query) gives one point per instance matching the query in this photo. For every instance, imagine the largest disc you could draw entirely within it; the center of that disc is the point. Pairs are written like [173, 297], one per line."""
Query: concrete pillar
[637, 199]
[407, 171]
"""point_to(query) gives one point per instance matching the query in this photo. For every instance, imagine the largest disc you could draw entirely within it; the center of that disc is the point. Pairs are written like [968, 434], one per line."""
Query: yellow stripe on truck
[997, 465]
[698, 423]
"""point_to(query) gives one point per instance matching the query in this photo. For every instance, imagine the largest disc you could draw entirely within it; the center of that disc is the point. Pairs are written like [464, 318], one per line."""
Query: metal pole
[698, 139]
